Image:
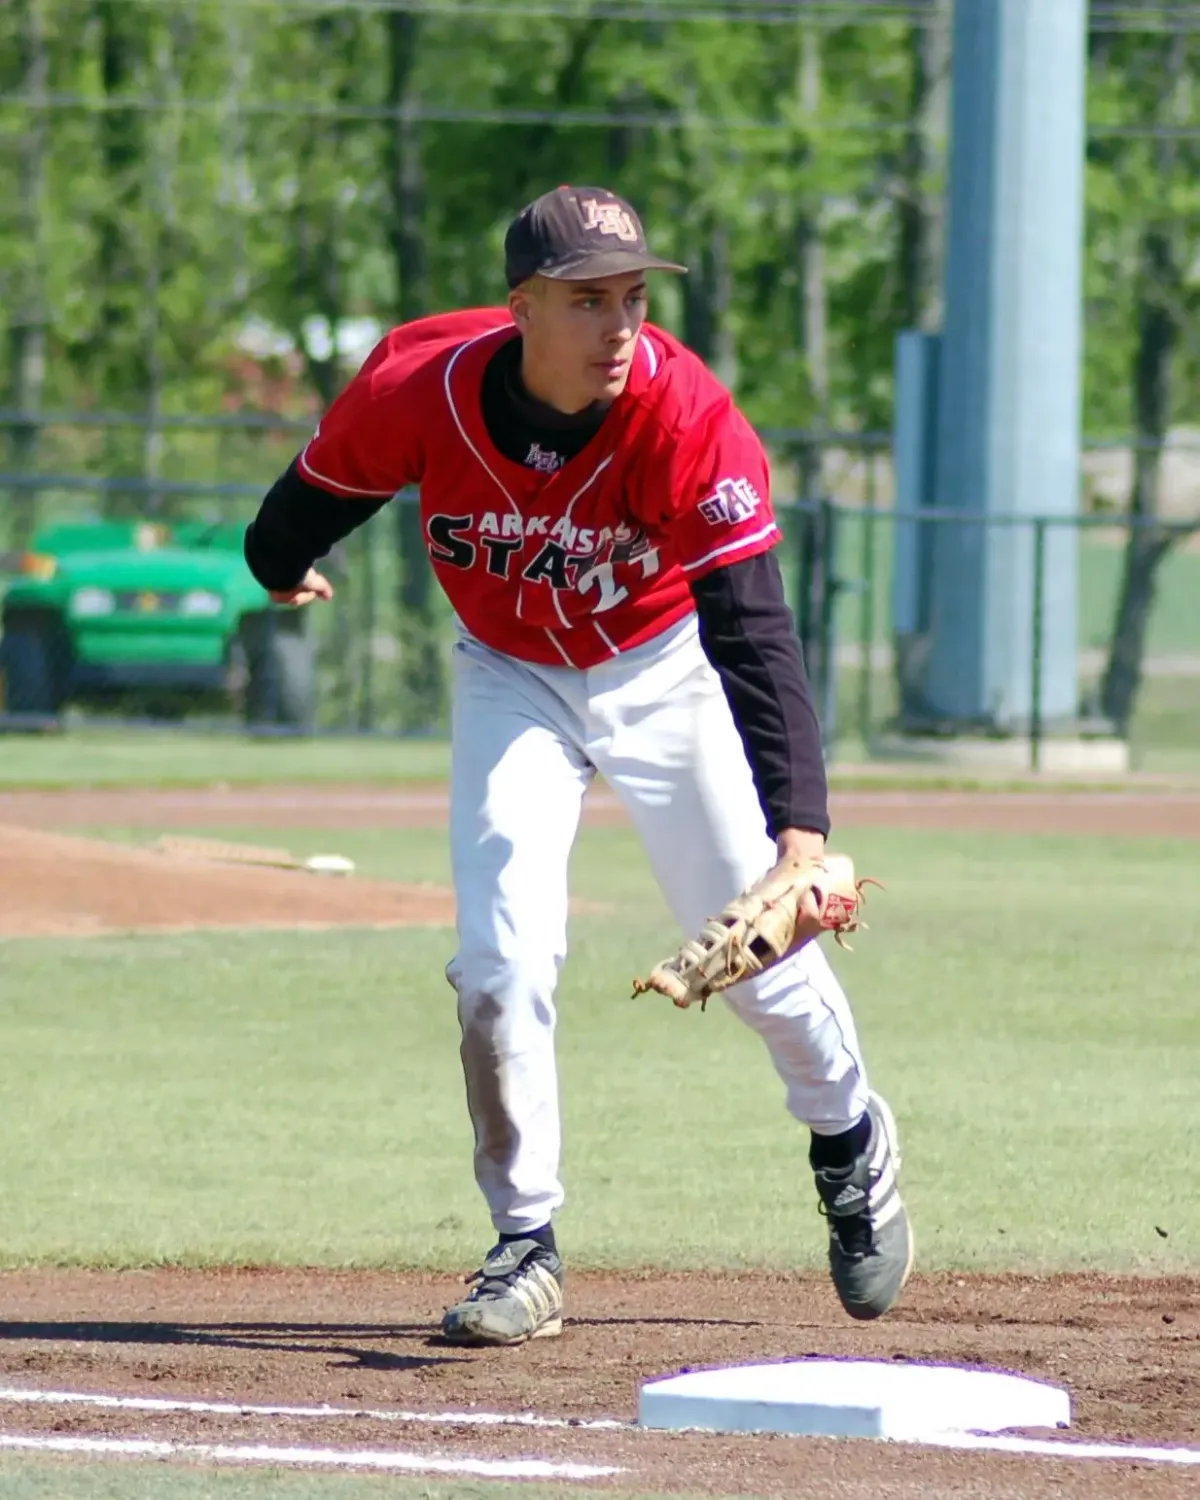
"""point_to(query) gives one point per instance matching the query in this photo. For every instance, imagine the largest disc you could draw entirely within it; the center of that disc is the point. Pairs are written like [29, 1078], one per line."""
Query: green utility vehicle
[161, 619]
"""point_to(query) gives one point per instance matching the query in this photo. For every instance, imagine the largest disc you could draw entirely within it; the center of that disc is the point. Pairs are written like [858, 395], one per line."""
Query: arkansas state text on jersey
[573, 565]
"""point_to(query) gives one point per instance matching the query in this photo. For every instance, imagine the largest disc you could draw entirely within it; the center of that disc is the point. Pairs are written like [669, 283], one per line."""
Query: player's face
[580, 337]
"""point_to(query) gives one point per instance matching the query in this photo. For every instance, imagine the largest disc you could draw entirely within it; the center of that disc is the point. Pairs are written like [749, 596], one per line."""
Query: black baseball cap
[575, 234]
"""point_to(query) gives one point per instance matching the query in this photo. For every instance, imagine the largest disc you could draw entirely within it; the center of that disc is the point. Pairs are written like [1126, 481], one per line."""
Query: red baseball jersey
[573, 566]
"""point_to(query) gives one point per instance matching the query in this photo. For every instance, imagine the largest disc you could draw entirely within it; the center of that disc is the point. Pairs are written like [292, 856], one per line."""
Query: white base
[851, 1398]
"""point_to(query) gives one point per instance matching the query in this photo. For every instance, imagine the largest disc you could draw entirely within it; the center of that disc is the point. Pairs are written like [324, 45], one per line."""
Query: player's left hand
[795, 847]
[312, 586]
[799, 844]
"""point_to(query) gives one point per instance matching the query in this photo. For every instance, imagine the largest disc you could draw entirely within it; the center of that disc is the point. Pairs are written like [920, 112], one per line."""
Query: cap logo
[609, 218]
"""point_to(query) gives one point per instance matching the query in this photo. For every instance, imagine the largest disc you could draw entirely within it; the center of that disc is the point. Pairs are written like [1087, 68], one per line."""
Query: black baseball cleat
[870, 1238]
[518, 1295]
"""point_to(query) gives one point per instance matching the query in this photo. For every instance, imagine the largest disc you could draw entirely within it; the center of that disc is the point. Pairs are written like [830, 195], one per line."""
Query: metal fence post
[1036, 643]
[828, 624]
[366, 702]
[271, 712]
[805, 574]
[867, 623]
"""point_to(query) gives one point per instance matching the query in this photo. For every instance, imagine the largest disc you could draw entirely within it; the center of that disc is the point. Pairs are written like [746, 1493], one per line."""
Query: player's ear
[518, 305]
[522, 300]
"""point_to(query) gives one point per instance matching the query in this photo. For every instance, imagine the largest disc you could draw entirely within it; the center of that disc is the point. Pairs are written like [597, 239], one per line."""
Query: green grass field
[40, 1480]
[1030, 1032]
[101, 757]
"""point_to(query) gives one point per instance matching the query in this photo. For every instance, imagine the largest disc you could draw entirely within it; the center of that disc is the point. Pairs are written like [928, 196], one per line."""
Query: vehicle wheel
[281, 665]
[33, 661]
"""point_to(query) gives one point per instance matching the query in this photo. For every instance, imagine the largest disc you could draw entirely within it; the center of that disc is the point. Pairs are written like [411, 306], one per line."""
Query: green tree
[24, 40]
[1146, 199]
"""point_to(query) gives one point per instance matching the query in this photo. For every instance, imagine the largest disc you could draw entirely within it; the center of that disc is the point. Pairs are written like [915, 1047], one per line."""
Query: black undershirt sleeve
[747, 632]
[296, 524]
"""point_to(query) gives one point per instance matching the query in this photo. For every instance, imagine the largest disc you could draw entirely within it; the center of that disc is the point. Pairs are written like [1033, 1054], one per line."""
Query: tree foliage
[186, 172]
[206, 163]
[209, 165]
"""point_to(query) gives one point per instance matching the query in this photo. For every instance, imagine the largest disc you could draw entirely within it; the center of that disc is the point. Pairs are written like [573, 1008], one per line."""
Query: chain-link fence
[1136, 642]
[155, 616]
[1133, 577]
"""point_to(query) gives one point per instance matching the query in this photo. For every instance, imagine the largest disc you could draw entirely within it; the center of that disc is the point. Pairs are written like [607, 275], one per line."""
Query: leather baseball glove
[794, 902]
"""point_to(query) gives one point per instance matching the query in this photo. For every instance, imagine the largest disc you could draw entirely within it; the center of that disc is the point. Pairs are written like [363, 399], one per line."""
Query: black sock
[840, 1150]
[544, 1236]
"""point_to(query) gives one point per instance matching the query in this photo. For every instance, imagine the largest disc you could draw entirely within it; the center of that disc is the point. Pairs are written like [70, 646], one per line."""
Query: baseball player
[598, 512]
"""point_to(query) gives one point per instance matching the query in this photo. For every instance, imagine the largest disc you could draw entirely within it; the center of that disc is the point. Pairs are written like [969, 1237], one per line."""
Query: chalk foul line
[1067, 1448]
[19, 1396]
[255, 1453]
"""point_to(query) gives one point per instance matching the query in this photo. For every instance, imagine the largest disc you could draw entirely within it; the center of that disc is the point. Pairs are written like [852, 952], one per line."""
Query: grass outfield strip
[83, 758]
[1028, 1006]
[91, 758]
[40, 1479]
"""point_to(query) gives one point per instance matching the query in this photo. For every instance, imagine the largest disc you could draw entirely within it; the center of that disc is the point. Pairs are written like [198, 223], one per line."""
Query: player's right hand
[312, 586]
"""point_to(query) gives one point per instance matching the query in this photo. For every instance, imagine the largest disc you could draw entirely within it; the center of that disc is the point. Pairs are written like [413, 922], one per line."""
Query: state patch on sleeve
[732, 501]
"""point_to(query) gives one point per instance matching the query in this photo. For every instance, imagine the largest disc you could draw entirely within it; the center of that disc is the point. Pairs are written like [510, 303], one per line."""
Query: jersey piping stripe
[650, 354]
[742, 541]
[566, 516]
[559, 647]
[346, 489]
[603, 636]
[462, 431]
[600, 468]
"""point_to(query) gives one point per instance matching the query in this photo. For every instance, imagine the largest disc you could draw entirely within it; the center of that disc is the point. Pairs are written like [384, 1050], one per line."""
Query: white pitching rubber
[329, 864]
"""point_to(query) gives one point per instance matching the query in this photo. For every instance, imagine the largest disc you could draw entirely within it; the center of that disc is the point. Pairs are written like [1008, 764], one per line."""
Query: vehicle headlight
[201, 603]
[37, 565]
[93, 601]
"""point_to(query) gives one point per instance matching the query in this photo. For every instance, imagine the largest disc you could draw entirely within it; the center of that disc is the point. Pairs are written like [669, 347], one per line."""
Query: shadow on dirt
[285, 1338]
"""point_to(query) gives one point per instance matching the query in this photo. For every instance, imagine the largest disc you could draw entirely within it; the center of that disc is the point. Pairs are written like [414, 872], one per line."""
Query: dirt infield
[1104, 814]
[1127, 1351]
[56, 885]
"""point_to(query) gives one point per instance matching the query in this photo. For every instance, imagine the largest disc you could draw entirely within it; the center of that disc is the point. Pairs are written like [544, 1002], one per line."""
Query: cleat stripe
[884, 1184]
[887, 1213]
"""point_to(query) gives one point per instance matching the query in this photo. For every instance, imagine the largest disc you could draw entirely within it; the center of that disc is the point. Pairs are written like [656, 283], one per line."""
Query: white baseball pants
[527, 741]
